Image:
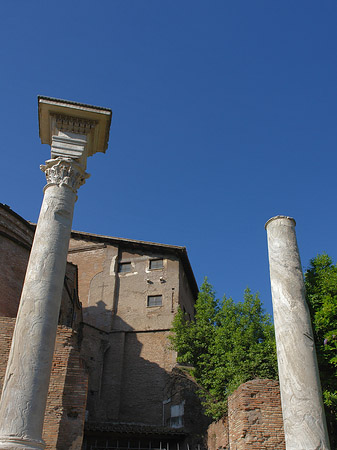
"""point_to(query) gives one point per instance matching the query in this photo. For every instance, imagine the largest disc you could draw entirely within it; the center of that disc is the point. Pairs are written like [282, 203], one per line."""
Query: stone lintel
[67, 125]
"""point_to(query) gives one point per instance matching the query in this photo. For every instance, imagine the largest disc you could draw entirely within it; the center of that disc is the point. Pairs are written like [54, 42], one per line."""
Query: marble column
[301, 396]
[26, 382]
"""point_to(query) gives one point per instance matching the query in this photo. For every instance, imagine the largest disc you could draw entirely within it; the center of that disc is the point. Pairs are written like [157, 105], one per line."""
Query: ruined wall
[65, 412]
[254, 419]
[217, 435]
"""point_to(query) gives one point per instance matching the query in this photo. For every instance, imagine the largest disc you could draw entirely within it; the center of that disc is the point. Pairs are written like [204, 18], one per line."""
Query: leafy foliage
[321, 287]
[226, 344]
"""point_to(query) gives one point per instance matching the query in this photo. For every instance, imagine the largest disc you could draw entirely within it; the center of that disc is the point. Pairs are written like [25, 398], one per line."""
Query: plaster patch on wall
[112, 265]
[92, 288]
[128, 274]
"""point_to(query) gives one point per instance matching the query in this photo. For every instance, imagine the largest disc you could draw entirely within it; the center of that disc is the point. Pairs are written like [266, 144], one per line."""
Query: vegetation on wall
[321, 288]
[226, 344]
[229, 343]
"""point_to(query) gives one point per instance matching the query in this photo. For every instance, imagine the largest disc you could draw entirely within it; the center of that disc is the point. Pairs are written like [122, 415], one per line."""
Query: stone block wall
[65, 412]
[254, 420]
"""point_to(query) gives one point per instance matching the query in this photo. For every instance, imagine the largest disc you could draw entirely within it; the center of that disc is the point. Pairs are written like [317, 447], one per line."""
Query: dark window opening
[124, 267]
[154, 300]
[156, 264]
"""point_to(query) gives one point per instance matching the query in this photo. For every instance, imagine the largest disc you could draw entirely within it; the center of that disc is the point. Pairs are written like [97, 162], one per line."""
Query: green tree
[321, 288]
[225, 345]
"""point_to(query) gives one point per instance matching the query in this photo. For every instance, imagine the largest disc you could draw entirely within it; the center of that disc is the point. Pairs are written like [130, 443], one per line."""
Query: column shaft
[74, 131]
[26, 381]
[301, 397]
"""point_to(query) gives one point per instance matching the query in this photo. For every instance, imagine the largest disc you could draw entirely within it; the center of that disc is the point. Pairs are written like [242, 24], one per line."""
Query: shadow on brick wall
[133, 380]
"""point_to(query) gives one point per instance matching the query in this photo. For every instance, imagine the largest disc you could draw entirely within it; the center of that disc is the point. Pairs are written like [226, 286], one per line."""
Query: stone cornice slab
[73, 117]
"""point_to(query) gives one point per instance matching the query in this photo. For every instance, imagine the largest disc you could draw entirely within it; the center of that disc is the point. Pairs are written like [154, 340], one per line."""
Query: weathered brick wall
[6, 332]
[115, 300]
[125, 342]
[91, 259]
[16, 236]
[217, 435]
[65, 412]
[254, 419]
[255, 416]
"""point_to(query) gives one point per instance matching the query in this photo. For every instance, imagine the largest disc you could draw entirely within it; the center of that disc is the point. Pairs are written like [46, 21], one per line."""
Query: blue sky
[224, 116]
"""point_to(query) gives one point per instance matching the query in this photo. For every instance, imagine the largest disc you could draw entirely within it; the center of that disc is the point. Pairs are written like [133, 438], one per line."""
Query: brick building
[130, 291]
[115, 383]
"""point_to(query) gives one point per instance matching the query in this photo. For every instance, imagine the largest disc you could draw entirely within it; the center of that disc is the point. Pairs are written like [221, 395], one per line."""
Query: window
[177, 414]
[124, 267]
[156, 263]
[154, 300]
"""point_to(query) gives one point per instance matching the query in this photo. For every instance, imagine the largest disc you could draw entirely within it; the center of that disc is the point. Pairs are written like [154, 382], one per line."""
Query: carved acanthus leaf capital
[64, 171]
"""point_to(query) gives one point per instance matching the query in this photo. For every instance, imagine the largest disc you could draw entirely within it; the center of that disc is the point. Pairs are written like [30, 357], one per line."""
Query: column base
[17, 443]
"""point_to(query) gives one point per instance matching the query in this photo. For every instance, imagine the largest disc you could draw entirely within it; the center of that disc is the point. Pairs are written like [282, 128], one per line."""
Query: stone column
[71, 133]
[301, 396]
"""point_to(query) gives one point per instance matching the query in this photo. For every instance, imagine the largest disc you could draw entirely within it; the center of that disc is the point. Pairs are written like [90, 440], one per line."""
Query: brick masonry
[16, 236]
[217, 435]
[65, 412]
[125, 341]
[254, 419]
[125, 344]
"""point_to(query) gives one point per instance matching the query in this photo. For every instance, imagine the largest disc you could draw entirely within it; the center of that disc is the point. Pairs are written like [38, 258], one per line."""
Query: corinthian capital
[64, 172]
